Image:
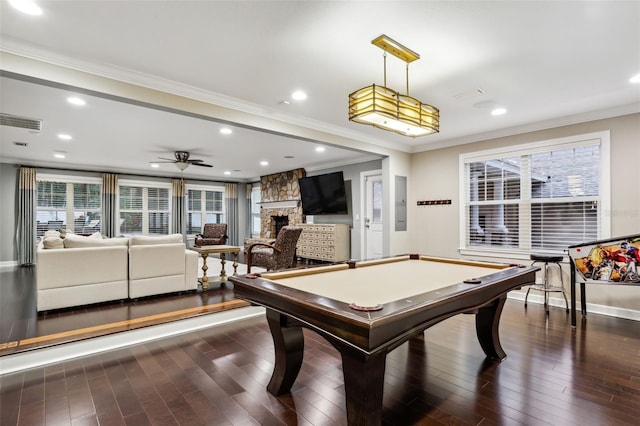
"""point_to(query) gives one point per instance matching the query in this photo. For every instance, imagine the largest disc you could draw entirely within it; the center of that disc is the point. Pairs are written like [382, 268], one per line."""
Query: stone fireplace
[280, 202]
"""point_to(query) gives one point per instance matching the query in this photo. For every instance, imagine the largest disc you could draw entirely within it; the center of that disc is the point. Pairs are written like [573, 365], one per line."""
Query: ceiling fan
[182, 160]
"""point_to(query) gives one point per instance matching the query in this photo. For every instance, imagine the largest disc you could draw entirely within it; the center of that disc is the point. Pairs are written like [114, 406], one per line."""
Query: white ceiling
[548, 63]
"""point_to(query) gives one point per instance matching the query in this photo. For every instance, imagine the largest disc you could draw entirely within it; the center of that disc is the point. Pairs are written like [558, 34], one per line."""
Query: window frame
[255, 205]
[203, 210]
[145, 206]
[604, 197]
[69, 181]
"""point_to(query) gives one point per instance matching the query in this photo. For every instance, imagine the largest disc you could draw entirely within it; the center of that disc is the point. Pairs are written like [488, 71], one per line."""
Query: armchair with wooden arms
[213, 234]
[279, 255]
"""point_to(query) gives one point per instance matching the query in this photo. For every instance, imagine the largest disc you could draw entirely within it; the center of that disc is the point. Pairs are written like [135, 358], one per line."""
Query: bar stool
[546, 286]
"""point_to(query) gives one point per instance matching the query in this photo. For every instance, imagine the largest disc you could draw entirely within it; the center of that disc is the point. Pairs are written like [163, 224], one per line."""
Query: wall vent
[22, 122]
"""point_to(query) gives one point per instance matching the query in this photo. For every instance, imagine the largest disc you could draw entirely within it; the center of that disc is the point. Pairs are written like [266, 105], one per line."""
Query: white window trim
[201, 187]
[68, 179]
[46, 177]
[604, 228]
[147, 184]
[255, 189]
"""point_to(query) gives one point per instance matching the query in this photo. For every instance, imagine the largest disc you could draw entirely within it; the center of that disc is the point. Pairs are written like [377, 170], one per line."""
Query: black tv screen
[323, 194]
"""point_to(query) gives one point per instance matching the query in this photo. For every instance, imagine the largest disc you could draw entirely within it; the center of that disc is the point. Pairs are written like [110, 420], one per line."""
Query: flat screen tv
[323, 194]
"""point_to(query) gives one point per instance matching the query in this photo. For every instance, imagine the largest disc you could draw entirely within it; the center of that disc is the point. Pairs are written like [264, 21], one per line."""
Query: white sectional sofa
[80, 270]
[160, 268]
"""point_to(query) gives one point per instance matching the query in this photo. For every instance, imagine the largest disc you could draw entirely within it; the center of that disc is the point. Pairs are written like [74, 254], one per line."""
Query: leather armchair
[279, 255]
[213, 234]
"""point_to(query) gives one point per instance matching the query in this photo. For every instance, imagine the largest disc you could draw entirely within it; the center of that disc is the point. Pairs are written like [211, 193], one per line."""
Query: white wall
[434, 175]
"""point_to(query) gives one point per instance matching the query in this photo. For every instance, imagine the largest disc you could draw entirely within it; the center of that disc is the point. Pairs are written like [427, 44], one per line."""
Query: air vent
[22, 144]
[469, 94]
[22, 122]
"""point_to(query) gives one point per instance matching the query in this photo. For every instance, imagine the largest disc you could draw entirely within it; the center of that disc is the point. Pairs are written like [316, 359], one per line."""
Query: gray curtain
[178, 212]
[249, 222]
[26, 231]
[110, 225]
[231, 212]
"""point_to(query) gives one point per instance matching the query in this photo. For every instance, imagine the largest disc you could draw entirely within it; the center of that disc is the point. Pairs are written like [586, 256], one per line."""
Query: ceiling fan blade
[202, 164]
[167, 159]
[162, 162]
[195, 161]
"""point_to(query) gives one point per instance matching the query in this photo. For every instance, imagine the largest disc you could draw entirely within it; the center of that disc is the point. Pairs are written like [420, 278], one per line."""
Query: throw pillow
[51, 233]
[52, 242]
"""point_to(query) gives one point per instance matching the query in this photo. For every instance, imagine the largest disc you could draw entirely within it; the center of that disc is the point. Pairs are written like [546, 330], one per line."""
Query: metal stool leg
[566, 303]
[546, 286]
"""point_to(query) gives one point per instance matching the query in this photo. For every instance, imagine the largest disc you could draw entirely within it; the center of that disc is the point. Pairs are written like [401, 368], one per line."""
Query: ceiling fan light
[181, 165]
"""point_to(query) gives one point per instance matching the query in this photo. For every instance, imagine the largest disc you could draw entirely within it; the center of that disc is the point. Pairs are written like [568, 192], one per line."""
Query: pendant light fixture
[389, 110]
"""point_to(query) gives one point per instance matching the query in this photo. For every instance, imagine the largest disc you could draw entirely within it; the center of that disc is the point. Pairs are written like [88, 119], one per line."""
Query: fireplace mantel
[284, 204]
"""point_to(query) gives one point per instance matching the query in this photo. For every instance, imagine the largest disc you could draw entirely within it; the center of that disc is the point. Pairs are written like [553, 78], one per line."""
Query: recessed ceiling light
[499, 111]
[64, 137]
[299, 95]
[635, 79]
[26, 6]
[59, 154]
[227, 172]
[226, 131]
[320, 148]
[155, 165]
[74, 100]
[264, 163]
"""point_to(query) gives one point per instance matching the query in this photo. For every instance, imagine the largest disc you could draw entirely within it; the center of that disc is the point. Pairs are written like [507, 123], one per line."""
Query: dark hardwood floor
[553, 375]
[22, 328]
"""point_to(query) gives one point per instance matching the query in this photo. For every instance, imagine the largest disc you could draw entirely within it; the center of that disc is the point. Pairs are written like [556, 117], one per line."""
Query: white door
[373, 216]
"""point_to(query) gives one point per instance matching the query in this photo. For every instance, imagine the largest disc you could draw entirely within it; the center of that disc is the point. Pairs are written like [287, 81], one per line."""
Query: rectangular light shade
[387, 109]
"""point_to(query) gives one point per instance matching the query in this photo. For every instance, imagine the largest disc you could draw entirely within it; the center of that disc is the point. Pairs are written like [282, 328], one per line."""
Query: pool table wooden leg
[487, 323]
[363, 385]
[288, 342]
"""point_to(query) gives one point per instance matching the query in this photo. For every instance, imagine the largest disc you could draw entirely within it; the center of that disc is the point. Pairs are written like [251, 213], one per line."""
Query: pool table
[366, 309]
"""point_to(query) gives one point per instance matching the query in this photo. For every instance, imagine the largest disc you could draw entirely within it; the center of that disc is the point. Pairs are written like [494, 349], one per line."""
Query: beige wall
[394, 242]
[434, 175]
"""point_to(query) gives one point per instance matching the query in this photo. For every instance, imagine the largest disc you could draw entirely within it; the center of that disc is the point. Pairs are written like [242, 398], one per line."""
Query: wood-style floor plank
[553, 374]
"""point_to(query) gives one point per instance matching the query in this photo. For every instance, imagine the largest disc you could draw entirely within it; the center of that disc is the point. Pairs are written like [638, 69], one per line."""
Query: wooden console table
[205, 251]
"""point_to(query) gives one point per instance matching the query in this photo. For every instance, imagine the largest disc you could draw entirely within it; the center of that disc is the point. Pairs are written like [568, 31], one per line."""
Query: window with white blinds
[68, 202]
[145, 207]
[539, 197]
[205, 204]
[256, 197]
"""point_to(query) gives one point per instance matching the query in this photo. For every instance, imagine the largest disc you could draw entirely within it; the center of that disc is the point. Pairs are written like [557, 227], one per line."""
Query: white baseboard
[51, 355]
[592, 308]
[8, 264]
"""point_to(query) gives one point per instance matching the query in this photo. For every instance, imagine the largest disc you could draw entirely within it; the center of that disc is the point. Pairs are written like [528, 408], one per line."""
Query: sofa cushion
[75, 241]
[146, 240]
[52, 242]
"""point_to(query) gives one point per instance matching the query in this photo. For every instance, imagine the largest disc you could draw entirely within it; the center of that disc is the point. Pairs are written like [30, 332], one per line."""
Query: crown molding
[12, 46]
[533, 127]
